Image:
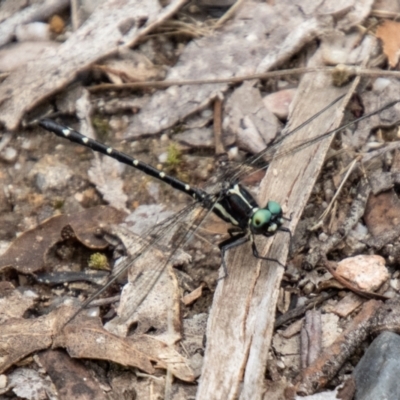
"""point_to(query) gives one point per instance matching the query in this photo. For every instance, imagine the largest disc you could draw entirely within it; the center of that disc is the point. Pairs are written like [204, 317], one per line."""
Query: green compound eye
[261, 217]
[274, 207]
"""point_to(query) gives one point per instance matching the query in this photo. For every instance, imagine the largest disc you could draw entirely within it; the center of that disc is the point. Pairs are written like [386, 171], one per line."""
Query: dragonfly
[231, 202]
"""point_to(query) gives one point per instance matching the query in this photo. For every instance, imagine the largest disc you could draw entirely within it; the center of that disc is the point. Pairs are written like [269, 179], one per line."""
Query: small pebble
[395, 284]
[93, 312]
[380, 84]
[207, 113]
[56, 178]
[233, 153]
[9, 154]
[323, 237]
[3, 381]
[301, 301]
[163, 157]
[33, 32]
[309, 288]
[57, 24]
[278, 103]
[196, 137]
[335, 53]
[368, 272]
[361, 229]
[280, 364]
[282, 84]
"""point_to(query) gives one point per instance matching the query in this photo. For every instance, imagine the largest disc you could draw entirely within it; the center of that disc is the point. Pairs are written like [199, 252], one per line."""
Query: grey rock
[377, 373]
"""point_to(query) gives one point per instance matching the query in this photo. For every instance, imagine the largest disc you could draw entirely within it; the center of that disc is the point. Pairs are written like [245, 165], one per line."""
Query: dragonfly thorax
[237, 206]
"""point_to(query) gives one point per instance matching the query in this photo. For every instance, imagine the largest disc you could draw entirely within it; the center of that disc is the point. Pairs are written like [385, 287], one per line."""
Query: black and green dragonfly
[231, 202]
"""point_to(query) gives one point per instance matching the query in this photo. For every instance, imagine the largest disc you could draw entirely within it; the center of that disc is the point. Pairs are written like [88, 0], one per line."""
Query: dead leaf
[22, 337]
[65, 373]
[248, 121]
[27, 254]
[384, 90]
[105, 174]
[389, 33]
[132, 66]
[193, 296]
[14, 303]
[86, 338]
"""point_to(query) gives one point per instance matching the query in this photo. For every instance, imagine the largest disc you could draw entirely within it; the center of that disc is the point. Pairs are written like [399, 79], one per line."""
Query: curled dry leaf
[86, 338]
[193, 295]
[90, 340]
[27, 254]
[20, 337]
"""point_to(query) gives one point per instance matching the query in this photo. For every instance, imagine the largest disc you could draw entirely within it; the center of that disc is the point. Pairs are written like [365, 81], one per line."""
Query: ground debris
[146, 71]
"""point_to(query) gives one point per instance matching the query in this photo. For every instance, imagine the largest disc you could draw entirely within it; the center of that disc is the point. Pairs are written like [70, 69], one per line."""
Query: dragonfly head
[266, 221]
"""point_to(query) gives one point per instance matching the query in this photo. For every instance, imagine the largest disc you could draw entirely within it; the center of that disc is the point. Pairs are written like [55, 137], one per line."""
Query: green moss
[58, 203]
[174, 157]
[175, 163]
[101, 126]
[98, 261]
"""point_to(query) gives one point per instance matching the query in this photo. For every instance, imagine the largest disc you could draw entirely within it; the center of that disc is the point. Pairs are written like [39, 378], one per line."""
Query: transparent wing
[170, 235]
[276, 150]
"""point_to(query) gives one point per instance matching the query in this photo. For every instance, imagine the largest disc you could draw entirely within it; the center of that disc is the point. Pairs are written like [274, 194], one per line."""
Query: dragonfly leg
[230, 243]
[257, 255]
[283, 229]
[286, 218]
